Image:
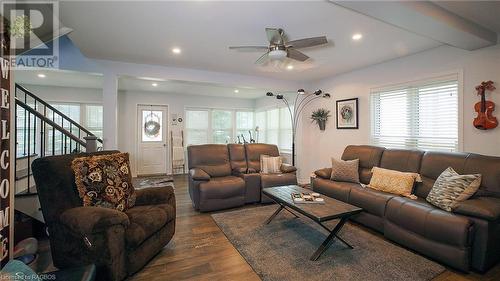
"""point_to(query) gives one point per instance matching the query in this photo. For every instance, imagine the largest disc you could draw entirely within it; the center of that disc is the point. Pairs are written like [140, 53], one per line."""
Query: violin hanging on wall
[485, 119]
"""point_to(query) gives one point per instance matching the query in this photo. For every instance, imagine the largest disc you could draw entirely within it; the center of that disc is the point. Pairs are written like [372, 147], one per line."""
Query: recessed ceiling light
[176, 51]
[41, 75]
[357, 36]
[236, 91]
[154, 84]
[289, 67]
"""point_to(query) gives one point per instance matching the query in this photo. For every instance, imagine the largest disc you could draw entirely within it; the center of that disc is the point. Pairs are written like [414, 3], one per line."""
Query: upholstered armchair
[118, 243]
[212, 186]
[286, 177]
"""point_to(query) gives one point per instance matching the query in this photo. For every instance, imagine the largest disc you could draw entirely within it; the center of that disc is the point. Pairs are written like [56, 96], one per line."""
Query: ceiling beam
[426, 19]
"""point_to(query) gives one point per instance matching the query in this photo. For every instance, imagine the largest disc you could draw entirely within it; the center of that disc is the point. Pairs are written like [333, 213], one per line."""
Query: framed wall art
[347, 114]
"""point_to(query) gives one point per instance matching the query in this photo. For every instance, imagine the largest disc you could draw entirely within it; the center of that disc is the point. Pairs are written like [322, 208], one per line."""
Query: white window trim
[458, 73]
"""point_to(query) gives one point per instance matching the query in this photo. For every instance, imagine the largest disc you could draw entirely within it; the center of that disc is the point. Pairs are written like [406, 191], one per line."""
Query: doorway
[152, 148]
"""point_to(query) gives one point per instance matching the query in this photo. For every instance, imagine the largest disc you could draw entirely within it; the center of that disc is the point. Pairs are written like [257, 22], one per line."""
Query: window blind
[423, 116]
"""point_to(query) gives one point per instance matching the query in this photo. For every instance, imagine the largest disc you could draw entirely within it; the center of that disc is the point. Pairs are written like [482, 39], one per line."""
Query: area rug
[153, 181]
[281, 250]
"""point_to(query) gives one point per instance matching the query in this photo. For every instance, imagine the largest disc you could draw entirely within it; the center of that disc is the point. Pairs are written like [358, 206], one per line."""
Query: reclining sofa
[227, 176]
[468, 237]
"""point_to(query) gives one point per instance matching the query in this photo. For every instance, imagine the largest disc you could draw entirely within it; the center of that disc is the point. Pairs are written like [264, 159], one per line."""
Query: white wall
[177, 102]
[476, 66]
[66, 94]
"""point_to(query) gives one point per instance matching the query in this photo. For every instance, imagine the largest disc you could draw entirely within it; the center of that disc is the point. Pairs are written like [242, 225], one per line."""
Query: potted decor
[320, 115]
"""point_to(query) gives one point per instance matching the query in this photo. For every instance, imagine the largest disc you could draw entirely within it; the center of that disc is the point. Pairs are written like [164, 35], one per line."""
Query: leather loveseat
[227, 176]
[468, 237]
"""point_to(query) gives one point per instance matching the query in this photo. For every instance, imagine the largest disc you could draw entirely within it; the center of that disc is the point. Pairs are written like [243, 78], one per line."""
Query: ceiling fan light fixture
[301, 92]
[277, 54]
[269, 94]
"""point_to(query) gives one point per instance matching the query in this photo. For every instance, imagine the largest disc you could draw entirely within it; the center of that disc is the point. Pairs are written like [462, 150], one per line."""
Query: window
[196, 127]
[423, 116]
[93, 119]
[57, 141]
[275, 127]
[222, 126]
[217, 125]
[244, 123]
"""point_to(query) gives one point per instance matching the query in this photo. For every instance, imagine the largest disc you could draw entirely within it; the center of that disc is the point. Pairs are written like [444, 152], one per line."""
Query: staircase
[42, 130]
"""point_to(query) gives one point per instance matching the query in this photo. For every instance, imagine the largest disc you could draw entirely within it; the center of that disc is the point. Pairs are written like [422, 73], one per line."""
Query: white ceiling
[484, 13]
[144, 32]
[188, 88]
[59, 78]
[94, 81]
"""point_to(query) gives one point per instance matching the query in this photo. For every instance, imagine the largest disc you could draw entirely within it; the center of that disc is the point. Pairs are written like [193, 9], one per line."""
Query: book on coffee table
[307, 198]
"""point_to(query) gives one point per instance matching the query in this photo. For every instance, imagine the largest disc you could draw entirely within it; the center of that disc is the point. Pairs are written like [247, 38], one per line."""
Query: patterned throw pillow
[105, 181]
[270, 165]
[391, 181]
[345, 170]
[450, 188]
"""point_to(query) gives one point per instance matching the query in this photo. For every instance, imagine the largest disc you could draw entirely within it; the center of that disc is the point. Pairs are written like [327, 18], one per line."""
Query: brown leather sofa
[118, 243]
[227, 176]
[467, 237]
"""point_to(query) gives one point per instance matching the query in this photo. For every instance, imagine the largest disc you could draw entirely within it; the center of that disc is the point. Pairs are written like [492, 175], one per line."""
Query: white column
[110, 111]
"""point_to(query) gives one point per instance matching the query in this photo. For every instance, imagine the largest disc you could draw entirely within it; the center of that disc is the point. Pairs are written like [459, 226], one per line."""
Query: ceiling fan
[280, 49]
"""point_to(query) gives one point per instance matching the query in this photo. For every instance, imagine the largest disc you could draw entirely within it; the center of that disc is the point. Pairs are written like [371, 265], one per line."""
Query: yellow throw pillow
[392, 181]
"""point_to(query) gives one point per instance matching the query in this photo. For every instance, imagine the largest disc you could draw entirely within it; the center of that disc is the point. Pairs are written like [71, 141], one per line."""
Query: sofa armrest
[87, 220]
[324, 173]
[487, 208]
[251, 170]
[155, 196]
[287, 168]
[198, 174]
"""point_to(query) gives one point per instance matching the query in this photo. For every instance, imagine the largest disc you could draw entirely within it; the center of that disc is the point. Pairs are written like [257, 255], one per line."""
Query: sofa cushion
[222, 187]
[369, 157]
[270, 165]
[105, 181]
[345, 170]
[487, 208]
[255, 150]
[420, 217]
[334, 189]
[392, 181]
[451, 188]
[271, 180]
[211, 158]
[372, 201]
[145, 221]
[433, 164]
[403, 160]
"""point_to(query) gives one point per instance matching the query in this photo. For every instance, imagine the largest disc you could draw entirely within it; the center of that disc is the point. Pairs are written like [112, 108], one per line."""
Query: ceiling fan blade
[249, 48]
[308, 42]
[275, 36]
[262, 58]
[296, 55]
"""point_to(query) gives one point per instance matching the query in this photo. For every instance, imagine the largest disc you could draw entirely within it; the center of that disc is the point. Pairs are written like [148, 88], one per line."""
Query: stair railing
[44, 131]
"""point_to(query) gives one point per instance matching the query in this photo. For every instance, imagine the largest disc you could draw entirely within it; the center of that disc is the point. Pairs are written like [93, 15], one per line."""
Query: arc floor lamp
[301, 101]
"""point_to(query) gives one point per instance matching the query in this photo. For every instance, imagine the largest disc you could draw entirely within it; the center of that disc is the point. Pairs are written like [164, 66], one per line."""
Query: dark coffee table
[319, 213]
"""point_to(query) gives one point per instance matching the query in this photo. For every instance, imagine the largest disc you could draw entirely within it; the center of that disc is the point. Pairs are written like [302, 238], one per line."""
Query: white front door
[152, 140]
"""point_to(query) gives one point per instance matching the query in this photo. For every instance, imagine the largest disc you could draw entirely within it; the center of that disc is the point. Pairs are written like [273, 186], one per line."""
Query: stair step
[24, 191]
[33, 155]
[30, 206]
[23, 173]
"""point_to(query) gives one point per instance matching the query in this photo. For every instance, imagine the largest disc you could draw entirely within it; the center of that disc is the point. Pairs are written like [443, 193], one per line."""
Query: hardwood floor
[198, 251]
[201, 251]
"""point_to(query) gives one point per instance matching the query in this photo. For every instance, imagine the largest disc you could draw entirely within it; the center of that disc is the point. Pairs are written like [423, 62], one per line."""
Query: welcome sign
[6, 214]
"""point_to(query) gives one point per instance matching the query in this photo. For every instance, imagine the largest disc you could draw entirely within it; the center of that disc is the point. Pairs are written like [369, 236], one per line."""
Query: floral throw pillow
[105, 181]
